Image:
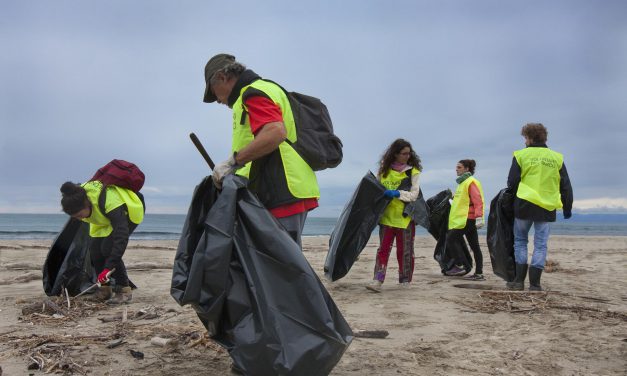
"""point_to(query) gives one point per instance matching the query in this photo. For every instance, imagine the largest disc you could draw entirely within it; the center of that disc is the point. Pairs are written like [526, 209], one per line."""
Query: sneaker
[475, 277]
[375, 286]
[404, 285]
[454, 271]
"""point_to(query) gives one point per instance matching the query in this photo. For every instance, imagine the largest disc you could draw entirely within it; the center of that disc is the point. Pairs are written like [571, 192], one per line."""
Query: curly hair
[536, 132]
[470, 164]
[389, 156]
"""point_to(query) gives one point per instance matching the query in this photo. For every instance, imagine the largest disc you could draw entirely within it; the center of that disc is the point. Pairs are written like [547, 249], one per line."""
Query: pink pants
[404, 251]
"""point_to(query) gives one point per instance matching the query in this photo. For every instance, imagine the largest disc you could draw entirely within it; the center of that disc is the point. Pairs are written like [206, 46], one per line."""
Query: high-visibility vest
[99, 224]
[393, 214]
[301, 179]
[540, 176]
[461, 204]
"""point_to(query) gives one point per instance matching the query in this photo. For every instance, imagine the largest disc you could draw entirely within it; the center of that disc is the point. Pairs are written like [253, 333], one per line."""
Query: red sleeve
[475, 198]
[262, 111]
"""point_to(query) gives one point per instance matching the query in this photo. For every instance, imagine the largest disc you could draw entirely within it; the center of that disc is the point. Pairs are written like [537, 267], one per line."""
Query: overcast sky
[83, 82]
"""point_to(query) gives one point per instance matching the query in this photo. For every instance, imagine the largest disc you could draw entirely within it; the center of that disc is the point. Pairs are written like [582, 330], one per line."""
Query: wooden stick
[67, 297]
[164, 342]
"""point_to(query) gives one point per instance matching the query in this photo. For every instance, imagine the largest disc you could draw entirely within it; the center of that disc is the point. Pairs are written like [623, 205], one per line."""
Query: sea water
[169, 226]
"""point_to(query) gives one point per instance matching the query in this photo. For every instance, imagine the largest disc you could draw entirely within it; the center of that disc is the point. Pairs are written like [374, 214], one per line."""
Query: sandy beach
[578, 327]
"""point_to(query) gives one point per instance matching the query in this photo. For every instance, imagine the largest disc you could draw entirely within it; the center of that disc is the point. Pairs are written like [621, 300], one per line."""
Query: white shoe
[404, 285]
[375, 286]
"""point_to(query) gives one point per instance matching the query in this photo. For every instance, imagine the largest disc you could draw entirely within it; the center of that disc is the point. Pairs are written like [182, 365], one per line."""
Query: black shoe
[455, 271]
[475, 277]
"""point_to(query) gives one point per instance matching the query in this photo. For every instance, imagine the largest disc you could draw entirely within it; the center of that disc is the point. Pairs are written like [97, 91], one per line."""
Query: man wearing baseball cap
[263, 127]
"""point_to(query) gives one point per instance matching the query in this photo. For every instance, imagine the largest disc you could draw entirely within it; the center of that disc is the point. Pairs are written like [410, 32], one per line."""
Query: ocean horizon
[169, 226]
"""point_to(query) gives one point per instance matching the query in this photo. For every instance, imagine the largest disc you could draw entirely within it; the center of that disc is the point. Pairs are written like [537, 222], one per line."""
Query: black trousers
[456, 237]
[99, 251]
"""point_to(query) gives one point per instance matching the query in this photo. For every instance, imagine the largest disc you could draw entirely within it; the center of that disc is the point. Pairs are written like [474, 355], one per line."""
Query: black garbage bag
[68, 264]
[252, 288]
[359, 219]
[439, 209]
[418, 211]
[355, 226]
[501, 235]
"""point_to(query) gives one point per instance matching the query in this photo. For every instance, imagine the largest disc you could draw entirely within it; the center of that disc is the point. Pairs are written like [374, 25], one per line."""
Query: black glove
[567, 214]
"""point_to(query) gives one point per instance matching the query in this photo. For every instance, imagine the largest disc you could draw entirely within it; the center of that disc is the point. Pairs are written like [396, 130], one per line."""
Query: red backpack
[122, 174]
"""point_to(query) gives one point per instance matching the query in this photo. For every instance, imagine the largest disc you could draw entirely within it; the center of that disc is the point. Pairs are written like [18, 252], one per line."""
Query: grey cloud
[87, 82]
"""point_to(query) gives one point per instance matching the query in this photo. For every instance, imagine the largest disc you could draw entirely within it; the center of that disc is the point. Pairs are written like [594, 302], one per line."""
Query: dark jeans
[100, 250]
[456, 237]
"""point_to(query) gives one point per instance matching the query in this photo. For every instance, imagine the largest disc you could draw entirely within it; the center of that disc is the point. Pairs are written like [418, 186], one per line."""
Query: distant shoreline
[170, 226]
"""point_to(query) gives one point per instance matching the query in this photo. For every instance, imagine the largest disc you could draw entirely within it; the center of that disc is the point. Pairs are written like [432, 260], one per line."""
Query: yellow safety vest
[461, 204]
[99, 224]
[540, 176]
[301, 179]
[393, 214]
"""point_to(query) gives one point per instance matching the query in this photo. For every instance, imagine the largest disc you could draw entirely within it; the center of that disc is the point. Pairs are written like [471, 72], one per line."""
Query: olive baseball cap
[214, 64]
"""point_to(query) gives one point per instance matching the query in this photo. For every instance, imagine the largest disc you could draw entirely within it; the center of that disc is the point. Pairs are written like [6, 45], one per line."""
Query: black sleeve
[514, 176]
[119, 235]
[566, 191]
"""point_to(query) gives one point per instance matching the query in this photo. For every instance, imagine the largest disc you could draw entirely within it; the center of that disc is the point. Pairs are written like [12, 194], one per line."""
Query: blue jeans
[540, 240]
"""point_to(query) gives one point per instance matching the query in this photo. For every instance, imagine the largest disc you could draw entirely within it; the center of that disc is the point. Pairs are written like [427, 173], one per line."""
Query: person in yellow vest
[466, 216]
[399, 166]
[263, 128]
[109, 229]
[541, 184]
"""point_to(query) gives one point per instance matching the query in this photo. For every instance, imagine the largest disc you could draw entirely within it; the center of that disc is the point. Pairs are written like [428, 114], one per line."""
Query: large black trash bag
[418, 211]
[439, 209]
[253, 289]
[359, 219]
[68, 264]
[355, 226]
[501, 235]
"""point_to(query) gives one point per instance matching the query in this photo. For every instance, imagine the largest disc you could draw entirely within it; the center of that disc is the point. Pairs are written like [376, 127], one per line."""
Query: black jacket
[524, 209]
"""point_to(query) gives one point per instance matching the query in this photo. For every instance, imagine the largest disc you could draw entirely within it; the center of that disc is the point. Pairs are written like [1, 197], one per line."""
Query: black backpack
[315, 141]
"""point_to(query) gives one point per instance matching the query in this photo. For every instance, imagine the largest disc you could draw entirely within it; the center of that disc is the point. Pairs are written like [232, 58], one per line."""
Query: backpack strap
[102, 200]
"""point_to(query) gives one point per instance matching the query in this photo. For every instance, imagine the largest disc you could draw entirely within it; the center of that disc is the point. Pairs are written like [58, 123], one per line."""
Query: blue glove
[392, 193]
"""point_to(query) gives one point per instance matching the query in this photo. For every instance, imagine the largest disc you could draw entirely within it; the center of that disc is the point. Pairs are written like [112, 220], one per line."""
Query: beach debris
[136, 354]
[46, 306]
[53, 310]
[115, 343]
[164, 342]
[67, 298]
[147, 313]
[370, 333]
